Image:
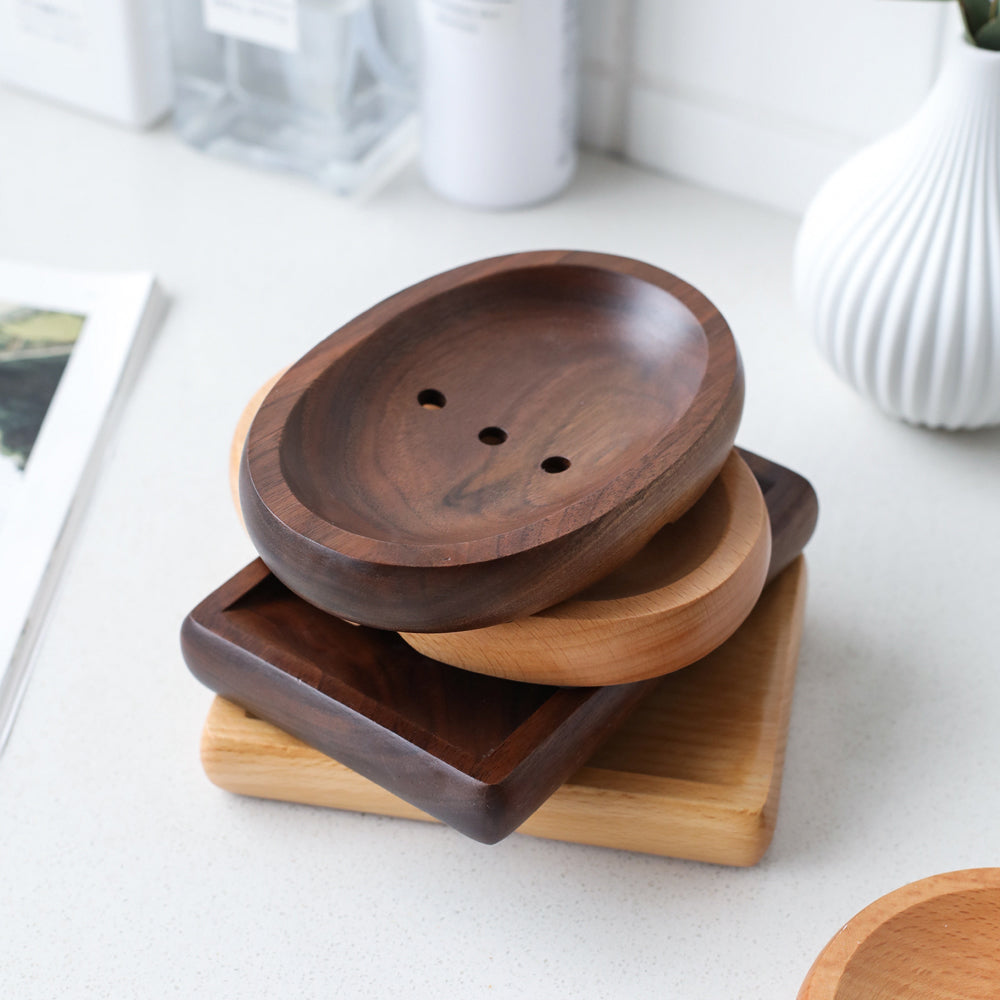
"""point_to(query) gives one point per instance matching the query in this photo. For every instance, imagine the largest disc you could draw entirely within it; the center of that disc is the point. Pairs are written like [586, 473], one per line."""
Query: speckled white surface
[124, 873]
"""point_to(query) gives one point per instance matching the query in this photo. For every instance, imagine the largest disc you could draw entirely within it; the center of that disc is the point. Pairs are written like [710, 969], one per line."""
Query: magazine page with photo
[35, 345]
[70, 344]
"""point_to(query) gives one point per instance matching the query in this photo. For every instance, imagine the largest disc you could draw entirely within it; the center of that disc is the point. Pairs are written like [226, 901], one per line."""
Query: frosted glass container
[323, 88]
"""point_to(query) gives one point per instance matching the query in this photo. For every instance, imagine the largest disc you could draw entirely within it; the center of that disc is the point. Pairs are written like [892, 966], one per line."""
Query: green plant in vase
[982, 22]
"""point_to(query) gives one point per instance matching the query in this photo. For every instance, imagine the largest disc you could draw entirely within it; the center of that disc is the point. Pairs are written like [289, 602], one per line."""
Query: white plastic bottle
[498, 99]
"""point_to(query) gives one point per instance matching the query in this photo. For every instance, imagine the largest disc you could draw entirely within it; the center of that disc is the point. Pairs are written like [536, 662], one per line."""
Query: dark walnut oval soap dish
[490, 441]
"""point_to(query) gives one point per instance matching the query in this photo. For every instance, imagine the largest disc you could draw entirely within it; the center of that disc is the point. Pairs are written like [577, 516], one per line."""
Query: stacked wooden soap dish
[493, 513]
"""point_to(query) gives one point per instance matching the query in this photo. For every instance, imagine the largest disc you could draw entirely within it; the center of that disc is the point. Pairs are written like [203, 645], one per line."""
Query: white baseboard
[755, 117]
[780, 164]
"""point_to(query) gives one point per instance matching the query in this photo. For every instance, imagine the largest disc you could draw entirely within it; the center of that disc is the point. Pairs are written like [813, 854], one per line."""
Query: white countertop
[125, 873]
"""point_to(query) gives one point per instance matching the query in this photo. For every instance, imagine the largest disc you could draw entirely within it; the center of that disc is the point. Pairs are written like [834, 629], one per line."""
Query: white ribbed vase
[897, 265]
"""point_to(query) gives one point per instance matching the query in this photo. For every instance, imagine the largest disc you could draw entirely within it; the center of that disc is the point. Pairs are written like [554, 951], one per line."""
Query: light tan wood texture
[936, 939]
[683, 595]
[240, 437]
[695, 772]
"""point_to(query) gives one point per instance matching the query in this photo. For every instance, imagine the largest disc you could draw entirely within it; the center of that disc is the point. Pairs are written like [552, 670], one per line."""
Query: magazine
[70, 344]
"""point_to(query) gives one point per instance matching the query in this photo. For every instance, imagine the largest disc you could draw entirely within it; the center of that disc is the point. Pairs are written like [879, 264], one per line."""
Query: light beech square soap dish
[694, 772]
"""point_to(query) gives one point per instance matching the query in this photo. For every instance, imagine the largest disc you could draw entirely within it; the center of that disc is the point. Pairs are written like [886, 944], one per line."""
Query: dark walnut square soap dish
[693, 772]
[479, 753]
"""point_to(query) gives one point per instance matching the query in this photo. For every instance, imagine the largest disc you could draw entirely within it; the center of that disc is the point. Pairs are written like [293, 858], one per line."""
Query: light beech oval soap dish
[936, 939]
[674, 602]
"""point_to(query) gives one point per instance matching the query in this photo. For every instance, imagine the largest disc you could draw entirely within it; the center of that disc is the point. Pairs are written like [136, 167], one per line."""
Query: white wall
[762, 98]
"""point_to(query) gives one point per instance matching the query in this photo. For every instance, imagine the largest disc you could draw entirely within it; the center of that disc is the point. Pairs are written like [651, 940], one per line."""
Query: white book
[70, 344]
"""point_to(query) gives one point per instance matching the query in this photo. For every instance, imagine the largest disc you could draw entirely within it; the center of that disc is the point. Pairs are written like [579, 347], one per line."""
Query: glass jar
[324, 88]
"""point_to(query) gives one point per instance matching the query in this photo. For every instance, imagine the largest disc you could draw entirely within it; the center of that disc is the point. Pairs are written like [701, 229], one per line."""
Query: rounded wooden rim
[240, 438]
[744, 546]
[625, 639]
[262, 465]
[723, 591]
[824, 978]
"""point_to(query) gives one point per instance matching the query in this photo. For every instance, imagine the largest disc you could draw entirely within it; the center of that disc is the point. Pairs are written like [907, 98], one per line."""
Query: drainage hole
[555, 463]
[493, 435]
[431, 399]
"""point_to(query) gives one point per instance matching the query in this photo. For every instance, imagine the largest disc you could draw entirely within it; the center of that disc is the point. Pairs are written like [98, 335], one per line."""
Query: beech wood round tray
[689, 588]
[936, 939]
[490, 441]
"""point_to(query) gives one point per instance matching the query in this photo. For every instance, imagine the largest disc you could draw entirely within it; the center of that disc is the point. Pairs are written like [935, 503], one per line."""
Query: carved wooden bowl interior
[936, 939]
[489, 442]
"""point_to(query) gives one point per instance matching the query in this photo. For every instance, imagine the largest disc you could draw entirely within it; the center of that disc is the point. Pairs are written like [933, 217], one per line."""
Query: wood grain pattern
[478, 753]
[683, 594]
[240, 437]
[792, 508]
[491, 441]
[792, 504]
[694, 772]
[672, 555]
[936, 939]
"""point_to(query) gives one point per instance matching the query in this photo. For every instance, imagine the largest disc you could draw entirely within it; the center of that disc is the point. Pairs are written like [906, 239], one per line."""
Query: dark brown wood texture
[477, 752]
[689, 588]
[491, 441]
[792, 506]
[694, 772]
